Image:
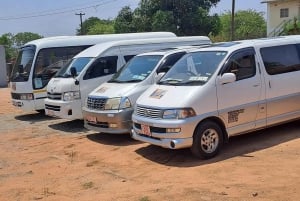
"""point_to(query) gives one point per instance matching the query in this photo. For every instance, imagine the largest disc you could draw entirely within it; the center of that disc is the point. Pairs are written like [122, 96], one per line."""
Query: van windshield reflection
[77, 63]
[194, 68]
[137, 69]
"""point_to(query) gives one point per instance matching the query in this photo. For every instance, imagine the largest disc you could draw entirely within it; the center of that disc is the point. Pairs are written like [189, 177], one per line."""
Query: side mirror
[159, 76]
[227, 78]
[21, 69]
[73, 71]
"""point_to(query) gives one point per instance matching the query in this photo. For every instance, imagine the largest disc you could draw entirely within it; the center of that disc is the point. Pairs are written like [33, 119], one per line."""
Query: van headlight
[117, 103]
[178, 113]
[71, 95]
[28, 96]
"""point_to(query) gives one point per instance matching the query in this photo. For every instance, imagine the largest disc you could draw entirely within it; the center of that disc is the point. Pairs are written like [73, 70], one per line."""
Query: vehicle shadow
[239, 146]
[113, 139]
[34, 117]
[69, 126]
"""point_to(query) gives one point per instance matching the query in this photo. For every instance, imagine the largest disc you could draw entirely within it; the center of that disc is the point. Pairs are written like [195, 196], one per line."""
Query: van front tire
[207, 140]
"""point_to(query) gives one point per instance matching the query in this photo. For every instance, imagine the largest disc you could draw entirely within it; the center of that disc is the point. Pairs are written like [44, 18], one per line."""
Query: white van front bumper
[63, 109]
[159, 134]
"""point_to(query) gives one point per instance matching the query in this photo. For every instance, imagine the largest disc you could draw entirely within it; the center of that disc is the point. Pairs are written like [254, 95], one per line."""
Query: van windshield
[77, 63]
[137, 69]
[194, 68]
[22, 68]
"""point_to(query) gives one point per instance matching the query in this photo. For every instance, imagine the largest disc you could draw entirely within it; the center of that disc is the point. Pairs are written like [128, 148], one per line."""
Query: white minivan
[220, 91]
[109, 107]
[69, 88]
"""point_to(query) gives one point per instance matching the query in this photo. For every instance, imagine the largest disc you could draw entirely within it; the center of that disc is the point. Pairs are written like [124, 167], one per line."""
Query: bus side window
[101, 67]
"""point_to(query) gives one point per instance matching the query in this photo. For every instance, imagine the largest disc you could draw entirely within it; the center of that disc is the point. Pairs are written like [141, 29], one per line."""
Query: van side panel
[282, 73]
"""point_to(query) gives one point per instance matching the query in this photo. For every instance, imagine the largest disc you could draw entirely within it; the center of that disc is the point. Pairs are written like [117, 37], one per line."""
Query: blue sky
[53, 17]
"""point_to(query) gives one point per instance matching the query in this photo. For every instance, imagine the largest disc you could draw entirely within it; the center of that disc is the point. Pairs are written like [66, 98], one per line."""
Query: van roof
[168, 51]
[97, 49]
[260, 42]
[59, 41]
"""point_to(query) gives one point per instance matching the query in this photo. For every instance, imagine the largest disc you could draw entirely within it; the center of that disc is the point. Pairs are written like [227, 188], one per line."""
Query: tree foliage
[102, 27]
[24, 37]
[184, 17]
[94, 25]
[13, 42]
[248, 24]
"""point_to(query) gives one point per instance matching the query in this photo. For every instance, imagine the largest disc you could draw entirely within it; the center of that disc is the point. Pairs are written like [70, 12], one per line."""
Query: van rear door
[282, 65]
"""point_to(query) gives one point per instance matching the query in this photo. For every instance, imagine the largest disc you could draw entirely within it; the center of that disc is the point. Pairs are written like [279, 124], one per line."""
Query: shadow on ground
[69, 126]
[113, 139]
[239, 146]
[34, 117]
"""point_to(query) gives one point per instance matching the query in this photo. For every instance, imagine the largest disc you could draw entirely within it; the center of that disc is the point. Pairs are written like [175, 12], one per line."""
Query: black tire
[207, 140]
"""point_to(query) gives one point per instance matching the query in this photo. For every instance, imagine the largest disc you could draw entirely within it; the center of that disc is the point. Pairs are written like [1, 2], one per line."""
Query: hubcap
[209, 140]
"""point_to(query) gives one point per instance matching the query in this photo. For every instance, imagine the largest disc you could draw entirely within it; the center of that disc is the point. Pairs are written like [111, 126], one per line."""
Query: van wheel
[207, 140]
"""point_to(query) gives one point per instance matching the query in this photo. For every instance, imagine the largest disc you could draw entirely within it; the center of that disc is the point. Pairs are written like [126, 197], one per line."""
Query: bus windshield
[49, 61]
[137, 69]
[23, 65]
[77, 63]
[194, 68]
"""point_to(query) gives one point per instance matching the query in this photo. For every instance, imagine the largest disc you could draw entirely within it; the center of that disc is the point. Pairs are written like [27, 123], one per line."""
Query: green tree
[184, 17]
[248, 24]
[13, 42]
[102, 27]
[24, 37]
[87, 24]
[7, 41]
[124, 21]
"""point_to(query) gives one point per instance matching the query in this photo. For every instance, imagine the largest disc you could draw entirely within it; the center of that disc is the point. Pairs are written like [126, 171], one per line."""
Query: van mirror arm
[74, 74]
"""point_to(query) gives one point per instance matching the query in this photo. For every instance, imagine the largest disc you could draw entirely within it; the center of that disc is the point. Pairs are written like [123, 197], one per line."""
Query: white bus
[40, 59]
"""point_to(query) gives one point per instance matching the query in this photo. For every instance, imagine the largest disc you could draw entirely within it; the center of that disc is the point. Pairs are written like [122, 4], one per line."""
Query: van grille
[54, 96]
[96, 103]
[52, 107]
[148, 112]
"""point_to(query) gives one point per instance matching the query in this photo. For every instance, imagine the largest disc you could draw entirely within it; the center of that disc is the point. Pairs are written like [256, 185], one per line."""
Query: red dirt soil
[44, 158]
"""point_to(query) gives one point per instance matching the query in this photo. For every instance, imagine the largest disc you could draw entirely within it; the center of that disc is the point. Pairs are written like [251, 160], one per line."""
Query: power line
[47, 13]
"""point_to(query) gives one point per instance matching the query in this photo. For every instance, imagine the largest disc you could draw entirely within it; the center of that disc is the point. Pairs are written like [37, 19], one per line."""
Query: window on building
[284, 12]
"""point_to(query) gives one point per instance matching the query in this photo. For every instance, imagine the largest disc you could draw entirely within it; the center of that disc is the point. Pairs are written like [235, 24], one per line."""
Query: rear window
[281, 59]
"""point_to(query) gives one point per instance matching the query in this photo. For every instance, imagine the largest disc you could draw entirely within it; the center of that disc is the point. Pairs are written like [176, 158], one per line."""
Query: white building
[3, 78]
[280, 13]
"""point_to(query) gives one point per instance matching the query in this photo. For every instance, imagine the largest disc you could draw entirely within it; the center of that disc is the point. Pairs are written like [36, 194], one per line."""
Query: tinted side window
[242, 64]
[281, 59]
[128, 57]
[101, 67]
[169, 62]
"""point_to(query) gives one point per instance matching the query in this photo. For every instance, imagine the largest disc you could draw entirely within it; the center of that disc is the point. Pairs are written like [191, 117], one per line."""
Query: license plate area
[50, 112]
[145, 130]
[91, 119]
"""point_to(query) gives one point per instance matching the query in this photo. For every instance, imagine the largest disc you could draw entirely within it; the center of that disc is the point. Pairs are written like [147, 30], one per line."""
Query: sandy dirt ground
[43, 158]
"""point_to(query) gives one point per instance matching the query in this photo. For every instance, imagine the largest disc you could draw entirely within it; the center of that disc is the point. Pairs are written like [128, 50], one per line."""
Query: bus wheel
[207, 140]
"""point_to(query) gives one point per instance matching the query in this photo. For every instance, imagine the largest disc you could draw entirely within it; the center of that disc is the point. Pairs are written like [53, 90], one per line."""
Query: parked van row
[110, 106]
[68, 90]
[187, 94]
[39, 60]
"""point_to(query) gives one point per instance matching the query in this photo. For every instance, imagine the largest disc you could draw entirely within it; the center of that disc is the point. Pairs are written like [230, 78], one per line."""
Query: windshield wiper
[124, 81]
[193, 82]
[170, 81]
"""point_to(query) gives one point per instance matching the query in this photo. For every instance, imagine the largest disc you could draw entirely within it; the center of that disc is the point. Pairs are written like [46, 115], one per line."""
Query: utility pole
[232, 19]
[80, 14]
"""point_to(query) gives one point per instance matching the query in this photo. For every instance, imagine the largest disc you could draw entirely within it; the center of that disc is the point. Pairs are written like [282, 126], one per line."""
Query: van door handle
[256, 85]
